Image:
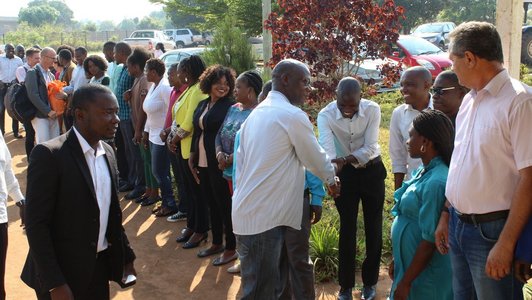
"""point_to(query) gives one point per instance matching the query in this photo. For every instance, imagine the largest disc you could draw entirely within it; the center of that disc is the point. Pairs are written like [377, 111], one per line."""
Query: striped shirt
[124, 83]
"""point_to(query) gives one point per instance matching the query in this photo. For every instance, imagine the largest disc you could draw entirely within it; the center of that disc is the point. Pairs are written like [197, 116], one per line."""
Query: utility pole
[266, 38]
[509, 18]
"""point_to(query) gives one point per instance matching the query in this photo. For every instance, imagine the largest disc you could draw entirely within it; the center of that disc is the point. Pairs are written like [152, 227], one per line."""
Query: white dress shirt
[101, 179]
[402, 117]
[155, 106]
[8, 182]
[8, 68]
[78, 80]
[493, 142]
[357, 136]
[277, 142]
[21, 72]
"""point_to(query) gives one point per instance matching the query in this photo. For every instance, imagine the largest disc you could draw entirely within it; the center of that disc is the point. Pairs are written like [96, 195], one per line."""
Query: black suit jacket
[63, 218]
[212, 121]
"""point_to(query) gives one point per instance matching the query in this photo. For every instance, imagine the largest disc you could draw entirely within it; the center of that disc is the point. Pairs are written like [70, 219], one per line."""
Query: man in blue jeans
[489, 188]
[277, 142]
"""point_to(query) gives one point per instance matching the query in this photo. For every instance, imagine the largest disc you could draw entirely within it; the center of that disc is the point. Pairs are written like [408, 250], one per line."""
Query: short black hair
[123, 48]
[161, 47]
[266, 89]
[438, 128]
[81, 50]
[109, 44]
[65, 54]
[173, 67]
[68, 47]
[87, 94]
[139, 57]
[479, 38]
[253, 80]
[193, 67]
[157, 65]
[97, 60]
[213, 74]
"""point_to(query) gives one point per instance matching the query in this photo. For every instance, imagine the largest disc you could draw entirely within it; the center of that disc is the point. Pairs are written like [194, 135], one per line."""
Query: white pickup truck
[147, 39]
[184, 37]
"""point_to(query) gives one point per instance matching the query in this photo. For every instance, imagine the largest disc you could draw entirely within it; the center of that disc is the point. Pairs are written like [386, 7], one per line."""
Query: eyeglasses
[440, 91]
[50, 57]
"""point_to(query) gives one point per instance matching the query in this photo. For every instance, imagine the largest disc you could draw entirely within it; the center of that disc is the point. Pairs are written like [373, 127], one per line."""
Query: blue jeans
[470, 247]
[133, 158]
[160, 166]
[260, 256]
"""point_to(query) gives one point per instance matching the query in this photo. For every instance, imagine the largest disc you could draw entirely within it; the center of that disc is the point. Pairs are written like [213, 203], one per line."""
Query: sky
[94, 10]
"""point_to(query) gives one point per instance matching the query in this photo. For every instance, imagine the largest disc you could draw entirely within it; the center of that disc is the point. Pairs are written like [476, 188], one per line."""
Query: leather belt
[372, 162]
[482, 218]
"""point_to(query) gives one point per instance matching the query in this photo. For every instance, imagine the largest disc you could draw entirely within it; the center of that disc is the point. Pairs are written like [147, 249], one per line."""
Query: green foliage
[90, 26]
[230, 47]
[40, 12]
[128, 24]
[150, 23]
[106, 26]
[419, 11]
[459, 11]
[323, 250]
[524, 74]
[249, 15]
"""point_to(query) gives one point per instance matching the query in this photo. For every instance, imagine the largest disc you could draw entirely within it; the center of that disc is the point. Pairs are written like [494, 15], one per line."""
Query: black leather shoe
[149, 201]
[125, 188]
[210, 251]
[185, 235]
[134, 194]
[18, 136]
[141, 199]
[190, 245]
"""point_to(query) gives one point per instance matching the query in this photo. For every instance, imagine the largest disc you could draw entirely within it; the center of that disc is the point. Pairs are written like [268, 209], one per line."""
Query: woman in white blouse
[155, 105]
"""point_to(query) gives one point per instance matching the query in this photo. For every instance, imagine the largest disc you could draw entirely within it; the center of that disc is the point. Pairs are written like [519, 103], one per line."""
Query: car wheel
[526, 49]
[207, 43]
[180, 45]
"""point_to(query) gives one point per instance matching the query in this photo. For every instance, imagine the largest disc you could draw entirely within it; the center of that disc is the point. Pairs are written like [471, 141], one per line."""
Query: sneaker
[179, 216]
[345, 294]
[234, 269]
[369, 292]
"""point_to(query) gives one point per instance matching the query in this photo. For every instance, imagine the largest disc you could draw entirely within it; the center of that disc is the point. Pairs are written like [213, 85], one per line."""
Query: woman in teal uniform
[419, 271]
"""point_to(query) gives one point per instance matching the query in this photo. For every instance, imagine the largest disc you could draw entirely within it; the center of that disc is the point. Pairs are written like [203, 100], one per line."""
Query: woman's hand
[145, 140]
[163, 135]
[192, 167]
[137, 138]
[391, 269]
[402, 290]
[441, 234]
[222, 160]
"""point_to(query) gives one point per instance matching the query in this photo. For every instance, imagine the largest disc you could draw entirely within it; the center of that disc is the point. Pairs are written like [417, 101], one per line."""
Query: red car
[415, 51]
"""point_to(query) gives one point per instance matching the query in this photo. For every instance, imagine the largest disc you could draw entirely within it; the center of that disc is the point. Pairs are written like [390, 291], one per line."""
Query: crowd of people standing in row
[249, 168]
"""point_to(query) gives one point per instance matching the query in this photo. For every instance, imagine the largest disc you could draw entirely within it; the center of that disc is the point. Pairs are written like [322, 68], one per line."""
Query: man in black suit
[77, 242]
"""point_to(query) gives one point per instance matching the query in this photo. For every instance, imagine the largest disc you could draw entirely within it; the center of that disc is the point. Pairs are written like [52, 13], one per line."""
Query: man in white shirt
[489, 187]
[79, 79]
[415, 86]
[8, 66]
[33, 57]
[8, 187]
[349, 131]
[277, 142]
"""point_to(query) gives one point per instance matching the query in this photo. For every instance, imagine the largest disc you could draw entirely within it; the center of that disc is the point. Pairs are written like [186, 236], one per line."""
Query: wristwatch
[20, 203]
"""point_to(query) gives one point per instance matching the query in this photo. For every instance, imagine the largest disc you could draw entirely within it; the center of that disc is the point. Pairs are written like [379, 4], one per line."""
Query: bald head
[47, 57]
[346, 86]
[348, 96]
[415, 85]
[291, 78]
[419, 72]
[10, 51]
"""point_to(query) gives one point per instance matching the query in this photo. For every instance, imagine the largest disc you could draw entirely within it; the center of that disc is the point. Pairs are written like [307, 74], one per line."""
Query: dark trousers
[98, 288]
[215, 191]
[14, 123]
[297, 271]
[29, 142]
[182, 205]
[134, 160]
[366, 184]
[3, 253]
[197, 215]
[123, 169]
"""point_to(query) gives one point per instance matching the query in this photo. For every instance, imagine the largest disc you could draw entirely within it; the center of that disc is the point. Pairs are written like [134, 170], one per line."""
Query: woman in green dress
[418, 270]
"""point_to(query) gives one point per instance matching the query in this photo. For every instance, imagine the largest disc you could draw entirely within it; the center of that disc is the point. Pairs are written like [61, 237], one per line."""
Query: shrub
[324, 245]
[230, 47]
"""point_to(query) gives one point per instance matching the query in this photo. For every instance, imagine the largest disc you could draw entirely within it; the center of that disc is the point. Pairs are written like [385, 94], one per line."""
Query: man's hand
[61, 95]
[52, 114]
[145, 140]
[22, 214]
[137, 138]
[441, 234]
[499, 261]
[522, 271]
[62, 292]
[340, 162]
[127, 96]
[334, 189]
[315, 214]
[402, 291]
[163, 135]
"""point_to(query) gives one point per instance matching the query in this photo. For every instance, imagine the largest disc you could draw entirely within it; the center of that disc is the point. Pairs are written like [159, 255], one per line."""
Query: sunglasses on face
[440, 91]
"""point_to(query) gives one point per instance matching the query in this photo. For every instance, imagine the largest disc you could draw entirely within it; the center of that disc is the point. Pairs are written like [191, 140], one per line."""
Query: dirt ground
[165, 270]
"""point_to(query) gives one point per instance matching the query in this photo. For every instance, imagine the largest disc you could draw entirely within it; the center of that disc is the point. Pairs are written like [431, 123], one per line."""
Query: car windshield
[429, 28]
[418, 46]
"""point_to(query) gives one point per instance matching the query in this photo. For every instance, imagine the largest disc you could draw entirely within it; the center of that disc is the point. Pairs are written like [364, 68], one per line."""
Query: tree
[248, 14]
[469, 10]
[150, 23]
[230, 47]
[327, 35]
[420, 11]
[127, 24]
[106, 25]
[41, 12]
[38, 15]
[90, 26]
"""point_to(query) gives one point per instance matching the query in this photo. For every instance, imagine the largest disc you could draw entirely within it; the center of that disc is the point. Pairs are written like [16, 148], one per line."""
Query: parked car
[207, 38]
[175, 56]
[415, 51]
[369, 71]
[184, 37]
[436, 33]
[147, 39]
